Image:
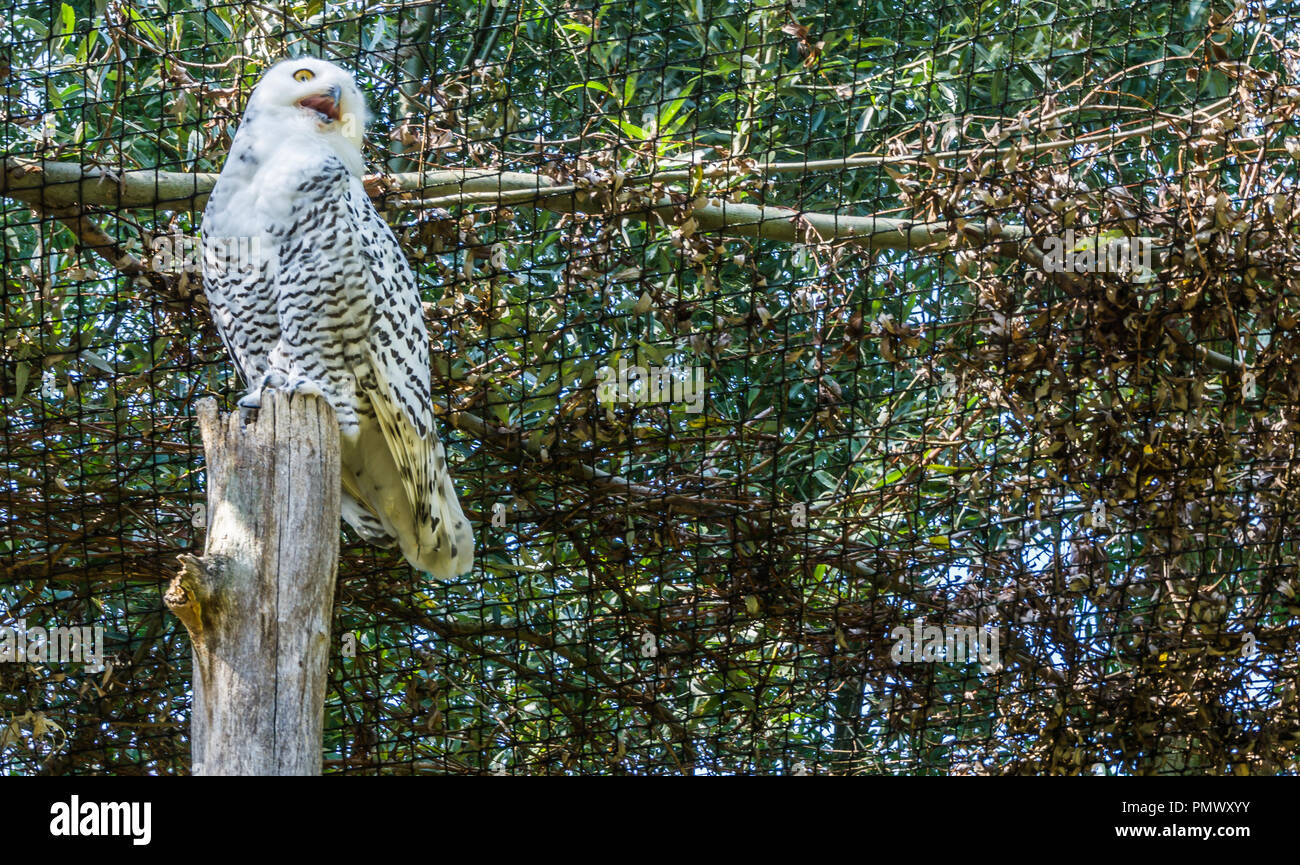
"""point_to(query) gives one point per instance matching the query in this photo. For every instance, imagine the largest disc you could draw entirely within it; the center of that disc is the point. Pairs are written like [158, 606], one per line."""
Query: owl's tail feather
[446, 545]
[433, 533]
[371, 529]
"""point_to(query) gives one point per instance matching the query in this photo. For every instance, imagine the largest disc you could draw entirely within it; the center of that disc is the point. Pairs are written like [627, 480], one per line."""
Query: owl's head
[316, 93]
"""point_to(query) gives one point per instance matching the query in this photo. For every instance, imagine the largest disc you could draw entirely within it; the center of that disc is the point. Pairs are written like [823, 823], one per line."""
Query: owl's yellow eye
[304, 75]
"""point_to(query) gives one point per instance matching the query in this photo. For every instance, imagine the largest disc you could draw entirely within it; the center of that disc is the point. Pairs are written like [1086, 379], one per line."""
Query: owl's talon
[306, 386]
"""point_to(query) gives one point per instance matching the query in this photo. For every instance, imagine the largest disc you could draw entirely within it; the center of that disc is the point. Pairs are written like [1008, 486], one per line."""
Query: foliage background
[1097, 466]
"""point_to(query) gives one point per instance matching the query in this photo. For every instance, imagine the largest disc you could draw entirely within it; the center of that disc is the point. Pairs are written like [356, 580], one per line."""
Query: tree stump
[258, 602]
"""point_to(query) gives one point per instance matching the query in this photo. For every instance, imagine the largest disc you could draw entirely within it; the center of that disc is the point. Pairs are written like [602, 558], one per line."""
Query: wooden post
[259, 601]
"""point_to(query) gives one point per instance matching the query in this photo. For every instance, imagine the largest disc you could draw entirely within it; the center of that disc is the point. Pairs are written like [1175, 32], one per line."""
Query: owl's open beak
[325, 104]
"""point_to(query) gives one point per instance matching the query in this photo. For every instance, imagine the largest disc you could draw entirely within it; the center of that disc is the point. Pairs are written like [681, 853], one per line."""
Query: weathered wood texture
[258, 603]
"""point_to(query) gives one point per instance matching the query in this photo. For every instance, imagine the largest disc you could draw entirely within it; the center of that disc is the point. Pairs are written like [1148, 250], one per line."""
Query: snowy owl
[323, 301]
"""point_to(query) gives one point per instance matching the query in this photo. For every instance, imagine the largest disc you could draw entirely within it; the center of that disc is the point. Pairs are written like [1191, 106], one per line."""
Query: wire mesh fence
[834, 388]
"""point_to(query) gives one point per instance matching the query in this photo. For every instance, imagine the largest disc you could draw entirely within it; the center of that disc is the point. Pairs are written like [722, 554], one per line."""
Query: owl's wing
[238, 283]
[397, 383]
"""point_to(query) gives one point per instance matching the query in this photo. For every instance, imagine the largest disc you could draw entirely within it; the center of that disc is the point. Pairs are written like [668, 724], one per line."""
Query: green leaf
[577, 28]
[669, 111]
[21, 374]
[594, 85]
[864, 122]
[631, 130]
[67, 21]
[146, 27]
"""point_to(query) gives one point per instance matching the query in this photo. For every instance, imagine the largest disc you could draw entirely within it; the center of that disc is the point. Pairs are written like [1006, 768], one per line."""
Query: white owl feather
[328, 304]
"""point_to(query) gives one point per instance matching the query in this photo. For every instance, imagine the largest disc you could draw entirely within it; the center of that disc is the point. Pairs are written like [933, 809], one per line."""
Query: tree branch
[51, 184]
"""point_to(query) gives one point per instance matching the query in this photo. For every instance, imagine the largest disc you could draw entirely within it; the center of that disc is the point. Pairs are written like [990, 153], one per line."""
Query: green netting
[996, 308]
